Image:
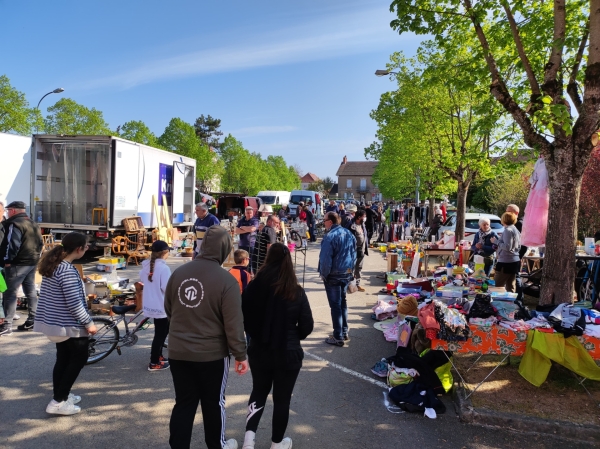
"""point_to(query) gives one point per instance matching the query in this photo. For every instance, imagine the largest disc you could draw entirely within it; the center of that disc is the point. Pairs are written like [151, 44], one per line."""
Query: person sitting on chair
[482, 244]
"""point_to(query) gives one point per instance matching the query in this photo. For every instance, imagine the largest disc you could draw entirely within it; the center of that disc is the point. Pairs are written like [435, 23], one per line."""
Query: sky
[286, 78]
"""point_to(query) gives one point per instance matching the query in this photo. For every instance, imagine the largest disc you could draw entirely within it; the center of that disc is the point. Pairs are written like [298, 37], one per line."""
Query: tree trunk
[558, 275]
[461, 208]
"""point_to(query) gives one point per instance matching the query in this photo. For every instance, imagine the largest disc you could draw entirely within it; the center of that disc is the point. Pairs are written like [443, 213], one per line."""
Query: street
[334, 403]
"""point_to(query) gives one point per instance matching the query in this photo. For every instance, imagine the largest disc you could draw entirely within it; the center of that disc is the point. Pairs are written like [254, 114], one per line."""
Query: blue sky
[286, 78]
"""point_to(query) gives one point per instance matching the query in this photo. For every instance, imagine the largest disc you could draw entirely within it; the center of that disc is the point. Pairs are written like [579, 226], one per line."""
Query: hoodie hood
[216, 245]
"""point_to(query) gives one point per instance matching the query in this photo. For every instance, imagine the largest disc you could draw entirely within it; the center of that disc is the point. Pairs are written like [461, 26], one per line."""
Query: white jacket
[154, 292]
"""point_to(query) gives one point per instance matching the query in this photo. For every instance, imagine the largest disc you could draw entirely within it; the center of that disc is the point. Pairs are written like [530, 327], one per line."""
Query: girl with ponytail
[155, 275]
[62, 316]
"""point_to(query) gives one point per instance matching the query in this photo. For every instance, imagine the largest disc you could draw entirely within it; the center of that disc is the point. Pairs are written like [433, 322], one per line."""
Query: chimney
[344, 160]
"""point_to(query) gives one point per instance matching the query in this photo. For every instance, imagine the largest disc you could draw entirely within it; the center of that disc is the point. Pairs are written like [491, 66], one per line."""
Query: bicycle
[107, 339]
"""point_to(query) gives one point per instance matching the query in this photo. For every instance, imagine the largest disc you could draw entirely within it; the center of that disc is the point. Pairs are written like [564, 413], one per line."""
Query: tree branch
[572, 87]
[535, 87]
[551, 81]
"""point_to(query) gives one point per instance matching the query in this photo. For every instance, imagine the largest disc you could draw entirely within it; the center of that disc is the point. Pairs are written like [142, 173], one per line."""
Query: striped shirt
[61, 308]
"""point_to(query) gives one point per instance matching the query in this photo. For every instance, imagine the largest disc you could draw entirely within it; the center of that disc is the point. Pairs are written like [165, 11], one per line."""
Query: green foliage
[69, 117]
[549, 116]
[15, 114]
[510, 187]
[137, 131]
[207, 130]
[180, 137]
[322, 186]
[248, 173]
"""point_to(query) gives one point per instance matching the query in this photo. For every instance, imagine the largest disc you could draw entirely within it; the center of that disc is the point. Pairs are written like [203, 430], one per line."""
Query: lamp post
[55, 91]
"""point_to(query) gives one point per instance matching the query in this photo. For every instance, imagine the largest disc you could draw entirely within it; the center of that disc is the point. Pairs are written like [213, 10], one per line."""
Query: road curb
[489, 418]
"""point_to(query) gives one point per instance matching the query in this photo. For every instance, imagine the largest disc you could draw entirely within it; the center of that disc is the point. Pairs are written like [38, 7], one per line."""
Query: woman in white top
[155, 275]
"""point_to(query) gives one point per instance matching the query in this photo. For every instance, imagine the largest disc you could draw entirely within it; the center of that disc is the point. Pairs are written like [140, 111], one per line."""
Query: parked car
[274, 197]
[471, 225]
[234, 204]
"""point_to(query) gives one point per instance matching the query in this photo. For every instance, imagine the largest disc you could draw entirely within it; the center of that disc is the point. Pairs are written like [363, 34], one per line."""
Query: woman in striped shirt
[62, 316]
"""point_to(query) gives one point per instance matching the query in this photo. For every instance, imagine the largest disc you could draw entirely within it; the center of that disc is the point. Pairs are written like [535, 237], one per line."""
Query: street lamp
[384, 72]
[55, 91]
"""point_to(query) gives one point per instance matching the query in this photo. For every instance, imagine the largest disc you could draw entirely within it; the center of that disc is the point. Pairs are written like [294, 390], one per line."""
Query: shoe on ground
[5, 330]
[74, 398]
[162, 359]
[345, 337]
[333, 341]
[380, 369]
[230, 444]
[160, 366]
[360, 289]
[16, 317]
[286, 443]
[26, 326]
[62, 408]
[249, 440]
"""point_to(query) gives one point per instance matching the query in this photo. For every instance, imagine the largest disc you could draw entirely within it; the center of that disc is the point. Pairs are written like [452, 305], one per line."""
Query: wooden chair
[132, 249]
[48, 242]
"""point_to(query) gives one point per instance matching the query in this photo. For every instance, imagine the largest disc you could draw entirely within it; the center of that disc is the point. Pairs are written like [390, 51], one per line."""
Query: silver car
[472, 224]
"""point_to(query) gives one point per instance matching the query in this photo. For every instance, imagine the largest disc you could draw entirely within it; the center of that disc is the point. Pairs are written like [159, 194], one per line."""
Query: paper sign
[414, 270]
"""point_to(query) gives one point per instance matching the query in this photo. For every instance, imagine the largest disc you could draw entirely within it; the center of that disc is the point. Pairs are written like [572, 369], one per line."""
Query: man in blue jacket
[336, 264]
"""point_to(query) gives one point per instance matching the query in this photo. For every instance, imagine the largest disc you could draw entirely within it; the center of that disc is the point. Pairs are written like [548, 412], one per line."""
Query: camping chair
[48, 242]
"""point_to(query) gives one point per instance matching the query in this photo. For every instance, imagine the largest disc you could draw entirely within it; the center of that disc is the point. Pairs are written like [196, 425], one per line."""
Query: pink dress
[535, 221]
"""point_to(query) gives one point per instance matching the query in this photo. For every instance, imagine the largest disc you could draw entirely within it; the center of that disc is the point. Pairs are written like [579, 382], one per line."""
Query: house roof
[363, 168]
[309, 177]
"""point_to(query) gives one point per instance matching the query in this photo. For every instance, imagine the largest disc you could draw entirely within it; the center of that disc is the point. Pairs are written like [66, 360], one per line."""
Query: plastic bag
[352, 288]
[3, 286]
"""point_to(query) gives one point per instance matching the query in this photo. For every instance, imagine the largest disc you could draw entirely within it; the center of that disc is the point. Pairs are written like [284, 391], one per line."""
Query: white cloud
[333, 36]
[259, 130]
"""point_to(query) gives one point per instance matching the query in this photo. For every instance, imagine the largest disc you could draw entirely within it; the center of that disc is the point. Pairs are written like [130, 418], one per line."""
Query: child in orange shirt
[240, 270]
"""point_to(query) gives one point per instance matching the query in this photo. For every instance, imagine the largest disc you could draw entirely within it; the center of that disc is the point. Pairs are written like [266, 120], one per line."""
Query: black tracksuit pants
[71, 356]
[282, 381]
[199, 383]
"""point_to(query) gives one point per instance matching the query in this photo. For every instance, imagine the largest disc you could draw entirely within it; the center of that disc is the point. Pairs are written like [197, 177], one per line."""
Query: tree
[510, 187]
[180, 137]
[436, 126]
[207, 130]
[237, 163]
[15, 114]
[137, 131]
[69, 117]
[282, 176]
[589, 201]
[535, 54]
[323, 186]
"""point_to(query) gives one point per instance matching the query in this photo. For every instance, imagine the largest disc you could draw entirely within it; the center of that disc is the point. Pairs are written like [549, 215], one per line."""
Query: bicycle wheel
[104, 341]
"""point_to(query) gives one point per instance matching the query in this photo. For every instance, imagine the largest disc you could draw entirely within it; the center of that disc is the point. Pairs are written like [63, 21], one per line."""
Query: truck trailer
[91, 183]
[15, 180]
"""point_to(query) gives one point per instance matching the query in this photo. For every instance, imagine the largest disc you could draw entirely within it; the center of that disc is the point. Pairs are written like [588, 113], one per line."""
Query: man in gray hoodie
[204, 307]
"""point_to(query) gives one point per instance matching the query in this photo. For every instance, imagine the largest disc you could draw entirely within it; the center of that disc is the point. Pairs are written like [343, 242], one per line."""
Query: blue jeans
[14, 276]
[335, 288]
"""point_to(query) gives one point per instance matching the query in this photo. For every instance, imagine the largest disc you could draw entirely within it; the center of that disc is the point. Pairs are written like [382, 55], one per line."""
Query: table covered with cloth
[502, 341]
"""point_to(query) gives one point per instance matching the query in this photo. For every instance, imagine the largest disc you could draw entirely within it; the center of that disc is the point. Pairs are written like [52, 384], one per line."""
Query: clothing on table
[543, 348]
[200, 227]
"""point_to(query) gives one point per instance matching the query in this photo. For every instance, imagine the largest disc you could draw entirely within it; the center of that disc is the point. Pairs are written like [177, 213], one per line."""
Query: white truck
[91, 183]
[15, 180]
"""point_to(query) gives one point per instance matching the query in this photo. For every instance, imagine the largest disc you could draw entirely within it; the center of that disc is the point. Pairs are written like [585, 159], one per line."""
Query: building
[308, 179]
[355, 181]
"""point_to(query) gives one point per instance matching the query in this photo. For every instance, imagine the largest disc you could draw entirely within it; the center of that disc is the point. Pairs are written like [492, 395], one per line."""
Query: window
[363, 183]
[345, 195]
[348, 183]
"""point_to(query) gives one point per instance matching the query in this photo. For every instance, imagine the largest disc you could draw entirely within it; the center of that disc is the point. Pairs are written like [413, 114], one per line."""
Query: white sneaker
[16, 316]
[62, 408]
[286, 443]
[231, 444]
[249, 440]
[74, 398]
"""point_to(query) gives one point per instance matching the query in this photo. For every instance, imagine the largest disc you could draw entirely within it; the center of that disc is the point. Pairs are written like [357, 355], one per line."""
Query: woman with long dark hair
[154, 275]
[277, 316]
[62, 316]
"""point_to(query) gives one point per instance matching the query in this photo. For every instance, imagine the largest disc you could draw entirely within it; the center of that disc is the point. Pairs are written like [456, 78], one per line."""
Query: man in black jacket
[359, 231]
[19, 254]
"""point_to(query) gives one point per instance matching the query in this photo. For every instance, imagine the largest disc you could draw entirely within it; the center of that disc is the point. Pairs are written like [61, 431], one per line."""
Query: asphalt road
[334, 404]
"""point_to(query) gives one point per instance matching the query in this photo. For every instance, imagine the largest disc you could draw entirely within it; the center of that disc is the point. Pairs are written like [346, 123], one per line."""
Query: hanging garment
[543, 348]
[535, 221]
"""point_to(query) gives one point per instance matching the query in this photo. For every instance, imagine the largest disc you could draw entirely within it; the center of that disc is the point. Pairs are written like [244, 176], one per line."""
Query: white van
[274, 197]
[305, 196]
